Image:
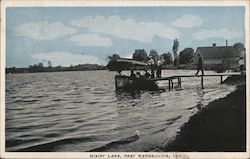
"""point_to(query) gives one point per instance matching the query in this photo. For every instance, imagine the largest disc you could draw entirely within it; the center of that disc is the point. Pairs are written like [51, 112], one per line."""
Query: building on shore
[215, 57]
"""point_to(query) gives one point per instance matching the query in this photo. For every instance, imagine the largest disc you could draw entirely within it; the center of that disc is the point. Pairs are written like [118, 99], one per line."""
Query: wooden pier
[179, 77]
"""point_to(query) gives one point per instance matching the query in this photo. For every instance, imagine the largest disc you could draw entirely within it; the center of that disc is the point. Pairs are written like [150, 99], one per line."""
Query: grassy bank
[219, 127]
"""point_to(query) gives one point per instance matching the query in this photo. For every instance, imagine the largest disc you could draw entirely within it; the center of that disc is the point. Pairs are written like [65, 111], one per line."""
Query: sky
[78, 35]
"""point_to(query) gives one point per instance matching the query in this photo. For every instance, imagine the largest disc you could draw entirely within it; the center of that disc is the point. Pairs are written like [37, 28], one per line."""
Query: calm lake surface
[81, 111]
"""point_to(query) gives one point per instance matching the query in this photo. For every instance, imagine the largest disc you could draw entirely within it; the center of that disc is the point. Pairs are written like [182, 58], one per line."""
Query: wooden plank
[208, 75]
[189, 76]
[161, 79]
[225, 75]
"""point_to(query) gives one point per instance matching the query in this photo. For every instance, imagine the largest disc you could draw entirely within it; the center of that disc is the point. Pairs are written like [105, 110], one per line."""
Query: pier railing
[179, 77]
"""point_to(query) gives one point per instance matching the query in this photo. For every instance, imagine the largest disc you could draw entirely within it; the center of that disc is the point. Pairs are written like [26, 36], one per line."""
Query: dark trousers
[200, 69]
[241, 68]
[158, 72]
[152, 72]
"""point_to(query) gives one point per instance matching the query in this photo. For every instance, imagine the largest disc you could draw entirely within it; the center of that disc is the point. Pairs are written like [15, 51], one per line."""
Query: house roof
[126, 64]
[218, 51]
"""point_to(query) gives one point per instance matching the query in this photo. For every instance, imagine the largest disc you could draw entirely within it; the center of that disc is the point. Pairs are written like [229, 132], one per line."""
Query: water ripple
[81, 111]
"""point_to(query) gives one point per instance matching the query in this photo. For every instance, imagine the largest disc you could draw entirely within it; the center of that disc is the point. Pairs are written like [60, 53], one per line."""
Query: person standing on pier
[132, 75]
[146, 75]
[199, 65]
[151, 63]
[159, 67]
[241, 63]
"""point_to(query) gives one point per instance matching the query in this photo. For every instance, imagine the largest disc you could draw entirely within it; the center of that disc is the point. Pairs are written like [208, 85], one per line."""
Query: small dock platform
[179, 77]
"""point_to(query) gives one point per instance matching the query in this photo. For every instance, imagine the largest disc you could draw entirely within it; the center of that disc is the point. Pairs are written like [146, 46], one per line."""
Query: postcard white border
[82, 3]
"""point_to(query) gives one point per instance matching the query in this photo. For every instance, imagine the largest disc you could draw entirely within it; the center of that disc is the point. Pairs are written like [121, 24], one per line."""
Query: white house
[215, 56]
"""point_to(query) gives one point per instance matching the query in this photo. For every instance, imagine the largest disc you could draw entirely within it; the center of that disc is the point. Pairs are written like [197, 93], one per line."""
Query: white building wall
[212, 61]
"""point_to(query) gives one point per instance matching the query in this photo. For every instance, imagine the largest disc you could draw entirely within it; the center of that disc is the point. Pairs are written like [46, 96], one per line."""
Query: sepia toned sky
[77, 35]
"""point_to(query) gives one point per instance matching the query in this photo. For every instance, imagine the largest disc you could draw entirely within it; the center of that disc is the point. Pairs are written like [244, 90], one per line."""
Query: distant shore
[219, 127]
[40, 68]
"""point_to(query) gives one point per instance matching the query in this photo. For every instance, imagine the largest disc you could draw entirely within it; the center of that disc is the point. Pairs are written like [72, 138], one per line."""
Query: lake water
[81, 111]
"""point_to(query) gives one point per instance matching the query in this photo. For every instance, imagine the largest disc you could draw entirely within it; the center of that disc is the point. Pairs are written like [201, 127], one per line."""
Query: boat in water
[128, 83]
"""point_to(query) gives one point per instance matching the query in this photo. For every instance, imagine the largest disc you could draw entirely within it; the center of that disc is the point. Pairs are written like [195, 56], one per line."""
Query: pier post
[115, 82]
[172, 83]
[169, 84]
[180, 83]
[202, 86]
[221, 79]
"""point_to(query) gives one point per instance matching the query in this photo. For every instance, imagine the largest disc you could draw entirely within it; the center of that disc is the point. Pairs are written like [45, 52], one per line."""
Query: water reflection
[135, 94]
[126, 95]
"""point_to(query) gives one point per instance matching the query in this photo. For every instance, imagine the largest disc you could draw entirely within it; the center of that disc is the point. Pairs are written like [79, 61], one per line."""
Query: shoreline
[218, 127]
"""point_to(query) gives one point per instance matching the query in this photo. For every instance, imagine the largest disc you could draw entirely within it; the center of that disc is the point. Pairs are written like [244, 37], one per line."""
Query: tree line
[41, 68]
[185, 57]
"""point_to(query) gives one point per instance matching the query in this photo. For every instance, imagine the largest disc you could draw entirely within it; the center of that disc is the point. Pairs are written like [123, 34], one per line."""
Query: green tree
[154, 54]
[175, 47]
[167, 58]
[112, 62]
[239, 46]
[49, 64]
[40, 64]
[140, 55]
[186, 56]
[40, 67]
[114, 57]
